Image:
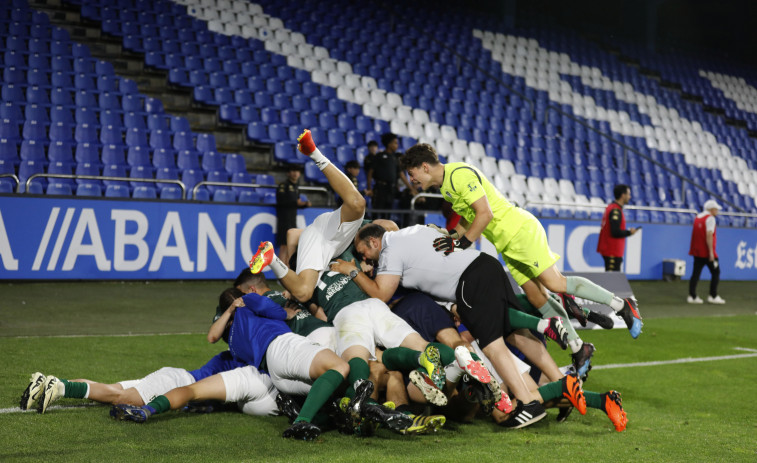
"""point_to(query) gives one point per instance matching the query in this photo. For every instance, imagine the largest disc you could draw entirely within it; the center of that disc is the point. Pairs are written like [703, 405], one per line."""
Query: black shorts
[421, 312]
[484, 295]
[612, 264]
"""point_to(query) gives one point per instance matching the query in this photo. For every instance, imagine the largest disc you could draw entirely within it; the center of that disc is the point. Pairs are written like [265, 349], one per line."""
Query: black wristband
[463, 242]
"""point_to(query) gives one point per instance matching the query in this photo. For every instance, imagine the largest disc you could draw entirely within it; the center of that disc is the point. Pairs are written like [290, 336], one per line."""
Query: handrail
[424, 195]
[104, 177]
[636, 208]
[13, 176]
[197, 186]
[627, 148]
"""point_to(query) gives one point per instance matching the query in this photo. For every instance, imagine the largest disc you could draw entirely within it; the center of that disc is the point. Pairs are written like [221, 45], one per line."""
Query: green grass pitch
[678, 412]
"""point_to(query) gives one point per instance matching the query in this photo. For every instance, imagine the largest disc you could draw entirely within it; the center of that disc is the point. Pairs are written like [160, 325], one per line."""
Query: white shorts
[252, 390]
[159, 382]
[324, 239]
[523, 367]
[369, 323]
[289, 357]
[324, 336]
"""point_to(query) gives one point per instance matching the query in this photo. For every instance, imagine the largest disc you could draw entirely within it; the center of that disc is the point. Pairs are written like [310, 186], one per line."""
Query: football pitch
[688, 385]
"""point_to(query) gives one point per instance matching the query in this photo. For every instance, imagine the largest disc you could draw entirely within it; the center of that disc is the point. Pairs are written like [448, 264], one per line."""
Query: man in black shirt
[384, 171]
[287, 202]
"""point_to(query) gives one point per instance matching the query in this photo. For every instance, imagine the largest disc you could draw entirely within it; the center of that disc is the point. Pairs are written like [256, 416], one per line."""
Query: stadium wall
[98, 239]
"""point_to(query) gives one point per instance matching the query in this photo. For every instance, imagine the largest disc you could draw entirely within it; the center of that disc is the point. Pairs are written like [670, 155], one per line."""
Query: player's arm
[383, 287]
[484, 215]
[318, 312]
[710, 248]
[215, 332]
[264, 307]
[615, 230]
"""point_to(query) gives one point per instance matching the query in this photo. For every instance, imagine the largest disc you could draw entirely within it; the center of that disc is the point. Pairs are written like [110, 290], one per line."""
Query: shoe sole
[636, 327]
[32, 391]
[46, 400]
[602, 320]
[254, 262]
[432, 394]
[474, 369]
[581, 372]
[431, 426]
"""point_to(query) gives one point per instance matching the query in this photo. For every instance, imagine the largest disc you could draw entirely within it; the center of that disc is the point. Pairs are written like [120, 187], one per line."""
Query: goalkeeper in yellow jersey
[519, 237]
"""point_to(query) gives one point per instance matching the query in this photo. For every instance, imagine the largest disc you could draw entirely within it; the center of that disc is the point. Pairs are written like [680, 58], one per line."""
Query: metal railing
[103, 177]
[13, 177]
[196, 188]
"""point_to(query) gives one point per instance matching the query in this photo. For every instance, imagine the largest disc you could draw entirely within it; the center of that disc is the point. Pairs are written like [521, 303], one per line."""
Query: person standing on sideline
[703, 242]
[612, 235]
[384, 171]
[287, 202]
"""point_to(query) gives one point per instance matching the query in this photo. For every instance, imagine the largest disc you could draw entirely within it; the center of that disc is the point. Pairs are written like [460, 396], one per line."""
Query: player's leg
[714, 267]
[354, 203]
[696, 272]
[535, 351]
[584, 288]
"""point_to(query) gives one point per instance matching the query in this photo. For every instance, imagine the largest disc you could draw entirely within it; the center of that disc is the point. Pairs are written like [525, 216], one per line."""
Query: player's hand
[715, 263]
[448, 245]
[343, 267]
[436, 227]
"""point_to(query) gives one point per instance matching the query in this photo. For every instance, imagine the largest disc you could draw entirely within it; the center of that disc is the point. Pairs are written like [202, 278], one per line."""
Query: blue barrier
[52, 238]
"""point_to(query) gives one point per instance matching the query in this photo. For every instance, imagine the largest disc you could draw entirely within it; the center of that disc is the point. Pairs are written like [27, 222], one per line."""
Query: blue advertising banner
[52, 238]
[576, 242]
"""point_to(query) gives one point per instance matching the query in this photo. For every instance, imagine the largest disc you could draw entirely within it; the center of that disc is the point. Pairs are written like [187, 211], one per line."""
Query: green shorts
[528, 254]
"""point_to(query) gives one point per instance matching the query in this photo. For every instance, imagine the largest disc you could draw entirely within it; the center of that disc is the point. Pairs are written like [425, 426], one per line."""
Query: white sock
[278, 267]
[86, 394]
[319, 159]
[617, 304]
[542, 325]
[575, 345]
[454, 372]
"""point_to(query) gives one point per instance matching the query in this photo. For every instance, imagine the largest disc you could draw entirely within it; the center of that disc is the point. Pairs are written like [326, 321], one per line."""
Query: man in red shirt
[612, 235]
[703, 242]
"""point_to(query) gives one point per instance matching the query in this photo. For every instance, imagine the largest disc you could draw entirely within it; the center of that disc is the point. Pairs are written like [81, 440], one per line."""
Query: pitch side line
[752, 353]
[125, 335]
[54, 407]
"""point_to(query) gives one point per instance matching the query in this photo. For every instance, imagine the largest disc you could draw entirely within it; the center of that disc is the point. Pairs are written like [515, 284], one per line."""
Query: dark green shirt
[303, 323]
[335, 291]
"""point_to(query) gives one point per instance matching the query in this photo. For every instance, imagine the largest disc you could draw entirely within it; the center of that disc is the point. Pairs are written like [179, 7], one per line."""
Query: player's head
[622, 193]
[225, 300]
[712, 207]
[419, 161]
[368, 241]
[390, 141]
[293, 172]
[248, 282]
[352, 168]
[372, 146]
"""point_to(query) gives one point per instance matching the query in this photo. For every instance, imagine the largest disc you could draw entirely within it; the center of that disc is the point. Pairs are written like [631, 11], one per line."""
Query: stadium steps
[153, 82]
[675, 86]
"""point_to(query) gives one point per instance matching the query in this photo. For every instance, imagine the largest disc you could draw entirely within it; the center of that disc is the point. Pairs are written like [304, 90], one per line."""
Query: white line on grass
[125, 335]
[54, 407]
[753, 353]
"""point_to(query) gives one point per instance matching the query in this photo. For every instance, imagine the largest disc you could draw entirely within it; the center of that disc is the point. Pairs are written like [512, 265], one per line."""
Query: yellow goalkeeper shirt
[464, 184]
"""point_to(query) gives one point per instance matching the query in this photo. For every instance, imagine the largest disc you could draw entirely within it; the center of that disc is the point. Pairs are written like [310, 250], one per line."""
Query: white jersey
[410, 254]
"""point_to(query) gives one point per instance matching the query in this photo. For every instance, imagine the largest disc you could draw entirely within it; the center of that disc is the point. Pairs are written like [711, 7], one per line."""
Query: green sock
[359, 369]
[551, 390]
[319, 393]
[519, 320]
[400, 359]
[475, 356]
[160, 404]
[593, 399]
[527, 306]
[75, 390]
[446, 353]
[586, 311]
[586, 289]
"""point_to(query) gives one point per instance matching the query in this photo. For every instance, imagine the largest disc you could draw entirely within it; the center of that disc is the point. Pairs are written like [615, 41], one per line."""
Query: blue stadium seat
[89, 189]
[117, 191]
[138, 156]
[144, 192]
[224, 196]
[250, 196]
[86, 168]
[60, 189]
[235, 163]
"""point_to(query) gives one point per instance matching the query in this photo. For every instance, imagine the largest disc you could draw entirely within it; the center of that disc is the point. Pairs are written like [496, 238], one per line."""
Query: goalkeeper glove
[448, 244]
[444, 231]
